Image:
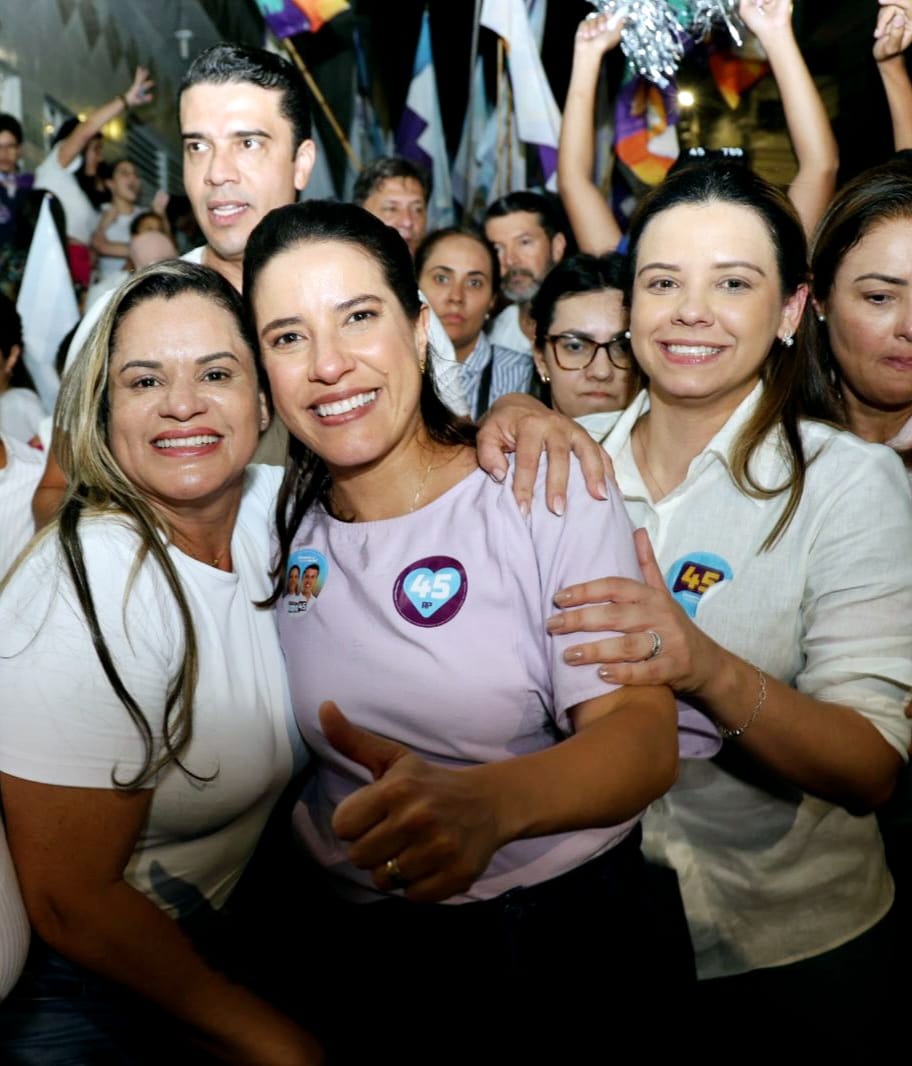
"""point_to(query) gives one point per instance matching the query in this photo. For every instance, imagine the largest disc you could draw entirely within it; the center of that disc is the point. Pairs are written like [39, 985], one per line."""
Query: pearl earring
[821, 317]
[787, 340]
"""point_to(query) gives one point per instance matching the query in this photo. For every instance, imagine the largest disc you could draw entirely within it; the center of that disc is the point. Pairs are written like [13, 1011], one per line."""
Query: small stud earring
[627, 334]
[821, 317]
[787, 340]
[545, 377]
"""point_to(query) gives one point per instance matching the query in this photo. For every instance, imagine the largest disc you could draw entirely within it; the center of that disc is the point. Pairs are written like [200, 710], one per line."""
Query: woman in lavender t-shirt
[471, 764]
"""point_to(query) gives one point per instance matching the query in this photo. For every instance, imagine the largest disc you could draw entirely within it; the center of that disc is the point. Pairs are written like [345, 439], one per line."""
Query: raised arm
[138, 93]
[592, 219]
[100, 242]
[805, 116]
[892, 37]
[70, 847]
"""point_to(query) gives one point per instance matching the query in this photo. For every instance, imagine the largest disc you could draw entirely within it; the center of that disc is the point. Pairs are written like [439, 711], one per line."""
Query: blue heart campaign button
[429, 592]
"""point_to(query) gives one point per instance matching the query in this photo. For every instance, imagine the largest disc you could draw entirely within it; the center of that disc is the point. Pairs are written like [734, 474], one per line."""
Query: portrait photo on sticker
[304, 579]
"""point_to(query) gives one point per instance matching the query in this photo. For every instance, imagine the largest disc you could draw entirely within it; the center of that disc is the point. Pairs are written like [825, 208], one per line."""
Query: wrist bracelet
[729, 734]
[124, 101]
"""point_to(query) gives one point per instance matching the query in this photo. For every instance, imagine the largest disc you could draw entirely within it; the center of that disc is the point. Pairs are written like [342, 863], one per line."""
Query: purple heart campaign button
[429, 592]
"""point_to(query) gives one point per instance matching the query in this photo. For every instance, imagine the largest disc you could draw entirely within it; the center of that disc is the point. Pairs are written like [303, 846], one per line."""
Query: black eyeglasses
[576, 353]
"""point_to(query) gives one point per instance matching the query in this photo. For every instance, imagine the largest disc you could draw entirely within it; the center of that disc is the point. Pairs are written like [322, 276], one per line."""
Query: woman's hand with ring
[419, 827]
[659, 644]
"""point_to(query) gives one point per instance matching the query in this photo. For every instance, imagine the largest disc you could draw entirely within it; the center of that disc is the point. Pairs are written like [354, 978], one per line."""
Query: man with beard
[527, 233]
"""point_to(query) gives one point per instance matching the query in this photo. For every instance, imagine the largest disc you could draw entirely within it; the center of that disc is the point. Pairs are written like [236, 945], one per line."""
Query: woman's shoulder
[835, 452]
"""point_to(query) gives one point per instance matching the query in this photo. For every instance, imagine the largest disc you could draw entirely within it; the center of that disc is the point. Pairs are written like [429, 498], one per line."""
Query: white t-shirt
[769, 874]
[118, 232]
[14, 923]
[21, 413]
[18, 481]
[430, 629]
[81, 216]
[506, 332]
[62, 724]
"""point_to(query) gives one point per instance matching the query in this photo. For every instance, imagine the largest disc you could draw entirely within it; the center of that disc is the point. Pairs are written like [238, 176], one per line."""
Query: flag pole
[470, 114]
[500, 116]
[321, 100]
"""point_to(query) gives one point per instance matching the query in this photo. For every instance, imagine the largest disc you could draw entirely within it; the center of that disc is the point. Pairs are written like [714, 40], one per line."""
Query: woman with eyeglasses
[582, 345]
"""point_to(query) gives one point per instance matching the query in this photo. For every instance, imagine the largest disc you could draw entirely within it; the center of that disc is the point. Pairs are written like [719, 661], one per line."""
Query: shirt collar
[481, 354]
[765, 463]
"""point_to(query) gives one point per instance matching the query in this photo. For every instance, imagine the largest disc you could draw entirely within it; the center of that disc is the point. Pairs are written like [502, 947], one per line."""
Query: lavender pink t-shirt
[429, 629]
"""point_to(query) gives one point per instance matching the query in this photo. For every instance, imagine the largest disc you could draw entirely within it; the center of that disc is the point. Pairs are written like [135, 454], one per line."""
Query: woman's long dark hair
[306, 480]
[794, 386]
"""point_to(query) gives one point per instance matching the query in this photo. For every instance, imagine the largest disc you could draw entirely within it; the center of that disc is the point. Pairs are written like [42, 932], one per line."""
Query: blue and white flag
[420, 135]
[365, 133]
[537, 114]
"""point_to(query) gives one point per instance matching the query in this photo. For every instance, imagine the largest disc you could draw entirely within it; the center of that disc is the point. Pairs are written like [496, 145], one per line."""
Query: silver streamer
[709, 13]
[652, 37]
[654, 33]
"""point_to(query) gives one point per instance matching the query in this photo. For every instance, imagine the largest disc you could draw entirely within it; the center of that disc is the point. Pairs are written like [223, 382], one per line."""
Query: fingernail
[499, 474]
[554, 623]
[572, 655]
[559, 505]
[561, 597]
[524, 508]
[605, 673]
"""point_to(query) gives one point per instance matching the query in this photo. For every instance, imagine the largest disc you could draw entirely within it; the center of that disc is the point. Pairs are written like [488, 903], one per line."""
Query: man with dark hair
[397, 192]
[527, 231]
[14, 185]
[245, 124]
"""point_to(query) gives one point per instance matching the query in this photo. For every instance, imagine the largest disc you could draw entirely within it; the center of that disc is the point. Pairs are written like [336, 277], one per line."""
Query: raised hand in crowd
[805, 116]
[892, 36]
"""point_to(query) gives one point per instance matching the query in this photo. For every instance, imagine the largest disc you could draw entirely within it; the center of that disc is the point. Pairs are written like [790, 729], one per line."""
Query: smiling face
[456, 279]
[185, 408]
[400, 203]
[707, 304]
[125, 184]
[343, 359]
[308, 580]
[525, 251]
[869, 318]
[239, 161]
[594, 316]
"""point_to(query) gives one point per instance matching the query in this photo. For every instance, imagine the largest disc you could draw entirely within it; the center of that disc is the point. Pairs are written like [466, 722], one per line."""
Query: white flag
[47, 305]
[537, 115]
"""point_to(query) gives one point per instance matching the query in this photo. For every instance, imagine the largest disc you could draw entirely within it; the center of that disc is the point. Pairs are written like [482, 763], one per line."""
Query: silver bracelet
[730, 734]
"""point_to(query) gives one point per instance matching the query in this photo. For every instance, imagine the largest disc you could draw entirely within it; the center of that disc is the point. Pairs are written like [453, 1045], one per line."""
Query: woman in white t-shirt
[144, 728]
[70, 171]
[779, 596]
[469, 772]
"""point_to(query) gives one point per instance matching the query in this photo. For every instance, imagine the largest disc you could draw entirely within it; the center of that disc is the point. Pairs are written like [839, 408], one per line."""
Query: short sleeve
[61, 722]
[858, 595]
[593, 539]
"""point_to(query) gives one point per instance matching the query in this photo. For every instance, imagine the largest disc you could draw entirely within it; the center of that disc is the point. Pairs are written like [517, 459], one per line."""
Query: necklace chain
[642, 449]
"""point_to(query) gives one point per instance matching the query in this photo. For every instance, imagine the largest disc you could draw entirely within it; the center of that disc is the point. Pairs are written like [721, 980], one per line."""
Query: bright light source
[686, 98]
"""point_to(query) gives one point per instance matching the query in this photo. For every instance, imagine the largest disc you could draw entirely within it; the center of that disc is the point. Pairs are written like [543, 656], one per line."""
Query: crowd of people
[420, 624]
